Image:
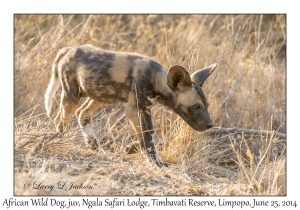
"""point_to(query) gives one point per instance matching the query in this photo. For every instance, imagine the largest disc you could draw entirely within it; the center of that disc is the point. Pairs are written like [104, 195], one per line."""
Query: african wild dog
[105, 77]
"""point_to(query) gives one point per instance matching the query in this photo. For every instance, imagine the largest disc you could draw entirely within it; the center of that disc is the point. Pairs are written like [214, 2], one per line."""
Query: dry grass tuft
[247, 91]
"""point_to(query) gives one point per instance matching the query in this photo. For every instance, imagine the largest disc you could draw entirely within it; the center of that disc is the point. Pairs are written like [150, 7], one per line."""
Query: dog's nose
[210, 125]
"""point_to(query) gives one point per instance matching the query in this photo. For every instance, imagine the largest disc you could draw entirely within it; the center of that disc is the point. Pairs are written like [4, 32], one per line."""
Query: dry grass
[250, 50]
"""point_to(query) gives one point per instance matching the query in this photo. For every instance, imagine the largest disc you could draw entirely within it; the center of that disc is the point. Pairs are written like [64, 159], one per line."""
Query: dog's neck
[165, 95]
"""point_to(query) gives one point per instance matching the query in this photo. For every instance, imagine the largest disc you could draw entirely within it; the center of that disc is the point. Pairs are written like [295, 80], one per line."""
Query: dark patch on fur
[167, 100]
[96, 62]
[145, 88]
[129, 77]
[203, 98]
[154, 65]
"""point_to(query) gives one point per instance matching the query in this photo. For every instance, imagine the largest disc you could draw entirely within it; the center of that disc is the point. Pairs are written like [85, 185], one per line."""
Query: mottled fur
[104, 77]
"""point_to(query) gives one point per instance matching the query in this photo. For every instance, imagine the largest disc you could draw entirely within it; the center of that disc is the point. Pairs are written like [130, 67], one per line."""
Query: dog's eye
[196, 106]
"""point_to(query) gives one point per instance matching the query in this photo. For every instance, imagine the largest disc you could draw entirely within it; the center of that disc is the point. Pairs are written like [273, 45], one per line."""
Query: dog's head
[190, 102]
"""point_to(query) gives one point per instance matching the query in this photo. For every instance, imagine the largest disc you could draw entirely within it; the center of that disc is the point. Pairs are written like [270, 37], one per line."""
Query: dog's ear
[178, 78]
[201, 75]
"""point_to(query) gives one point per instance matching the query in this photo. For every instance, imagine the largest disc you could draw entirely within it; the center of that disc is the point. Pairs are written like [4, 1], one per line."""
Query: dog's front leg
[142, 122]
[147, 141]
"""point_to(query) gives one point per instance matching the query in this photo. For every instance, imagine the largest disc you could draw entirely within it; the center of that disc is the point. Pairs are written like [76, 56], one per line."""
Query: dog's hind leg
[67, 106]
[84, 115]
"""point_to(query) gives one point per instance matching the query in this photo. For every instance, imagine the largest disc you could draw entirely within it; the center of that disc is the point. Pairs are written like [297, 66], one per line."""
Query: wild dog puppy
[105, 77]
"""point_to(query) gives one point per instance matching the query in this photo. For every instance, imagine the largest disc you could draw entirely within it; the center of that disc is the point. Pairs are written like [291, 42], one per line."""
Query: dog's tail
[54, 84]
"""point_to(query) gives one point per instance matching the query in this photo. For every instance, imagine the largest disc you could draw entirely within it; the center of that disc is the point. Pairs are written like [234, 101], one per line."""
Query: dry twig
[219, 130]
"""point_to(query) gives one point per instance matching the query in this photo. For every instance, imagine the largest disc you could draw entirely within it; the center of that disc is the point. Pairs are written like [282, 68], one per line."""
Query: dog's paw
[161, 164]
[92, 143]
[155, 157]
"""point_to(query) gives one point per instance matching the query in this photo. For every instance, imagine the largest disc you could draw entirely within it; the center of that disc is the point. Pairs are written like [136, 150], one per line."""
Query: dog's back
[104, 75]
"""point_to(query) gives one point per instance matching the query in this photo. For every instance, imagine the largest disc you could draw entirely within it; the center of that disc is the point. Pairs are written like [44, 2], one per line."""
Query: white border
[8, 8]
